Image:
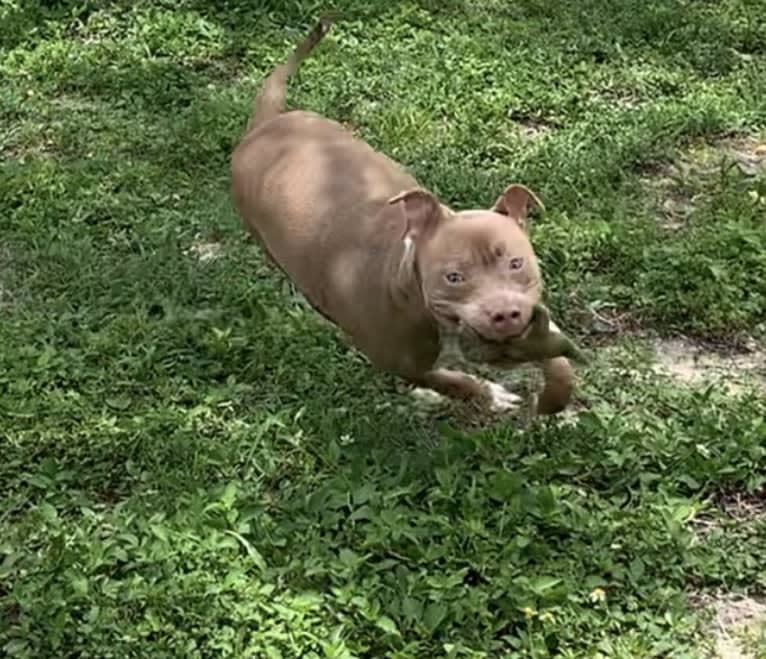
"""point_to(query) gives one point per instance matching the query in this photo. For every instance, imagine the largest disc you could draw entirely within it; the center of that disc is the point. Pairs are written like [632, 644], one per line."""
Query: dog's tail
[270, 100]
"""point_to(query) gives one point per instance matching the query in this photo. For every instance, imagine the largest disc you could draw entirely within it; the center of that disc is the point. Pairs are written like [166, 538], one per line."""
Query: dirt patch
[624, 99]
[733, 620]
[731, 507]
[18, 145]
[748, 152]
[742, 506]
[38, 134]
[531, 128]
[681, 186]
[205, 249]
[605, 322]
[692, 364]
[673, 184]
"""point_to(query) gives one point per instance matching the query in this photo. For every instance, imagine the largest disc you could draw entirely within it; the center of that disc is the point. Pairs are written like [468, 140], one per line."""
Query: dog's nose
[503, 317]
[505, 321]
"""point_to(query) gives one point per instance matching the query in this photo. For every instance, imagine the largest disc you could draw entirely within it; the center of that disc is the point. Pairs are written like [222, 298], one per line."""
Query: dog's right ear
[516, 202]
[422, 212]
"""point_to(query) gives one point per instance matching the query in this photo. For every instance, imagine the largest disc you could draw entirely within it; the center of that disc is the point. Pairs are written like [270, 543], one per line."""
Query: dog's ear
[516, 202]
[421, 210]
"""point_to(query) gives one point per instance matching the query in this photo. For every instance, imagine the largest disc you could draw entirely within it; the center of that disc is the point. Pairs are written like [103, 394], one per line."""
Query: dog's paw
[500, 399]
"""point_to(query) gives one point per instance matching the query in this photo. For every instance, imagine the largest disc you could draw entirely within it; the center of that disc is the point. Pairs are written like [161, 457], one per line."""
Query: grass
[195, 466]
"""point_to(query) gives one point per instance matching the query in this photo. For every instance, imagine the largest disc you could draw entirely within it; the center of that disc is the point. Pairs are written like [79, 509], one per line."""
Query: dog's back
[315, 198]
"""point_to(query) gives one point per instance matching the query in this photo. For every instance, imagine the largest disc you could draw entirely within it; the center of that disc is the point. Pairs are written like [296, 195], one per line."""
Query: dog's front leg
[468, 389]
[559, 384]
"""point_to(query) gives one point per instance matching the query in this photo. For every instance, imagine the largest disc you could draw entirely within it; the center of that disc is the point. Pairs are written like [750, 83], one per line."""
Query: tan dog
[378, 255]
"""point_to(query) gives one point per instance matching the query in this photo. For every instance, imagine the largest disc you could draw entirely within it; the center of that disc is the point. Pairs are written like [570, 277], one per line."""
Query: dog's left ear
[516, 202]
[422, 212]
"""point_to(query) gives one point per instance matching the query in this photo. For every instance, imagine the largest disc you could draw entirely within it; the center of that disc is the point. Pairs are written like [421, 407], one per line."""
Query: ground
[195, 465]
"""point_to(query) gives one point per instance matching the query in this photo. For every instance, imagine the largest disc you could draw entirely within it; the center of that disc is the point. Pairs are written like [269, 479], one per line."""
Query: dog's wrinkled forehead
[432, 233]
[478, 238]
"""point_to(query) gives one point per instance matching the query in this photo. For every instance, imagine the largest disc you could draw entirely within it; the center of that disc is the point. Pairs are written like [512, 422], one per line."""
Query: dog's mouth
[492, 339]
[454, 324]
[451, 321]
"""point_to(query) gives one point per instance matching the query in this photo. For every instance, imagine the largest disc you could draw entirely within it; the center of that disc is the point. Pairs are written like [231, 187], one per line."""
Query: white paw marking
[502, 399]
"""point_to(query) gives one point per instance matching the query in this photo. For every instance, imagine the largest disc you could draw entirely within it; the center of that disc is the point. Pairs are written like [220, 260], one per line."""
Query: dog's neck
[406, 284]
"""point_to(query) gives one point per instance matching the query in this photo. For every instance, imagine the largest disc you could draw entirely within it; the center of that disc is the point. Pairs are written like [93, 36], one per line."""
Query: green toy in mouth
[537, 343]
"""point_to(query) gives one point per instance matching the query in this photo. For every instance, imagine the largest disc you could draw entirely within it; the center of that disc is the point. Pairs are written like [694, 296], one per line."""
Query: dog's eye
[454, 277]
[516, 262]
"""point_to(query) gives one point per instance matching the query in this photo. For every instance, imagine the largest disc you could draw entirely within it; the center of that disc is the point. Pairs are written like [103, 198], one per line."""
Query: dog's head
[476, 268]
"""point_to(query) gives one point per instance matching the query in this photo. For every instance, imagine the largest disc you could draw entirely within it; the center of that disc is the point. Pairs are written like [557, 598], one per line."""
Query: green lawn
[194, 465]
